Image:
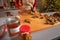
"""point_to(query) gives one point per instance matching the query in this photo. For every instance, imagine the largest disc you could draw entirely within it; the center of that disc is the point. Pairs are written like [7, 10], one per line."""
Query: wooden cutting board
[36, 24]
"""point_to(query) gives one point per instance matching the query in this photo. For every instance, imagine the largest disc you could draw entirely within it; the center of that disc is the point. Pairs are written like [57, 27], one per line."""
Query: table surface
[36, 24]
[47, 34]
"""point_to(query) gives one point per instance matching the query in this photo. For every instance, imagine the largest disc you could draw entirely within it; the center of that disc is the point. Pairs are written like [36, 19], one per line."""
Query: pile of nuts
[52, 19]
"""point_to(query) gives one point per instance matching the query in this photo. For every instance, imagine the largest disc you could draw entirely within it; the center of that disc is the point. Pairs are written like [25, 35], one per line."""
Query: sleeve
[17, 3]
[34, 5]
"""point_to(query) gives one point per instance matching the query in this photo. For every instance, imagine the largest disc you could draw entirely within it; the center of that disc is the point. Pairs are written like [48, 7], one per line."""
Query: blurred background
[48, 5]
[42, 5]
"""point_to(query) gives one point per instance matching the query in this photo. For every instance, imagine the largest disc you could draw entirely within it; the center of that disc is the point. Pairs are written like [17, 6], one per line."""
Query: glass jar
[2, 27]
[25, 32]
[13, 25]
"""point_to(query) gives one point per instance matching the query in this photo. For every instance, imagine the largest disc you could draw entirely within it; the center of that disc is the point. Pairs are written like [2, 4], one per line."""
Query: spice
[25, 33]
